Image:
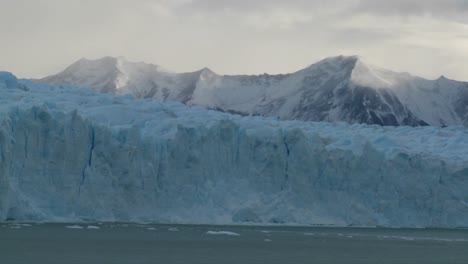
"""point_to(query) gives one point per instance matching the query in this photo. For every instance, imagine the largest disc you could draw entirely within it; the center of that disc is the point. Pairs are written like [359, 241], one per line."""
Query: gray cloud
[426, 37]
[447, 9]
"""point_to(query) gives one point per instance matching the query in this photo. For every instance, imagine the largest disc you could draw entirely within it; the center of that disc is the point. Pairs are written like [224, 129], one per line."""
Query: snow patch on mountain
[371, 76]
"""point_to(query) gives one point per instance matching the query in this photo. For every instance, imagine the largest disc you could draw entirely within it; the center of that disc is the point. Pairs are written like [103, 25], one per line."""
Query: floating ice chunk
[173, 229]
[93, 227]
[226, 233]
[267, 240]
[151, 229]
[74, 227]
[407, 238]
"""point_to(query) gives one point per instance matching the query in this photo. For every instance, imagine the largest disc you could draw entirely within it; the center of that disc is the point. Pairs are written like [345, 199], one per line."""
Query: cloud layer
[426, 37]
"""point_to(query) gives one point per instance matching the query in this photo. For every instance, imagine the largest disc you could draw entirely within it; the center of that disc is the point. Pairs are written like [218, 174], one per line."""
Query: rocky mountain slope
[334, 89]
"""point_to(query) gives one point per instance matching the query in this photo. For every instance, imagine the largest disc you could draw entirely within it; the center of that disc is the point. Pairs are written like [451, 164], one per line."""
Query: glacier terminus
[73, 154]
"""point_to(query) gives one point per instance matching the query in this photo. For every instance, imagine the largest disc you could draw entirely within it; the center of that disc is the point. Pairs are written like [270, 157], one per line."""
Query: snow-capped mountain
[334, 89]
[71, 154]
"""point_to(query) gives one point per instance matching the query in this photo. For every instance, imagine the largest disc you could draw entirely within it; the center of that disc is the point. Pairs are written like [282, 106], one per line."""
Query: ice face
[8, 80]
[71, 154]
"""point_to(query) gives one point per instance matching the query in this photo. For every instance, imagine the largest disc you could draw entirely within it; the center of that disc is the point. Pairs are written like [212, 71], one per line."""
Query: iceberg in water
[68, 154]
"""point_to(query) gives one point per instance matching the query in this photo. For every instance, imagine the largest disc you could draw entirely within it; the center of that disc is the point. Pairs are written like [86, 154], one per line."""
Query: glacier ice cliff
[71, 154]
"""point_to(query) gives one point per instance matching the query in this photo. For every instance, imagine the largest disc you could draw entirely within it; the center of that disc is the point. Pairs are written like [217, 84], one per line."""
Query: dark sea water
[131, 243]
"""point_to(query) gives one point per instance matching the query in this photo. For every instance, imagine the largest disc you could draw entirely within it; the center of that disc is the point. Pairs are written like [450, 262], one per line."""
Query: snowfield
[68, 154]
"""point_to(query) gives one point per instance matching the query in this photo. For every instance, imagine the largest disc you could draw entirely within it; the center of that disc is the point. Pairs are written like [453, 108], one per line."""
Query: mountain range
[342, 88]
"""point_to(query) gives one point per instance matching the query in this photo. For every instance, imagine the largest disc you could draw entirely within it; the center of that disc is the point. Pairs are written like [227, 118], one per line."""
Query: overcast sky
[425, 37]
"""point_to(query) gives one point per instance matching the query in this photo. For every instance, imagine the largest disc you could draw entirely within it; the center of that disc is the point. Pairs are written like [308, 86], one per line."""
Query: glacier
[72, 154]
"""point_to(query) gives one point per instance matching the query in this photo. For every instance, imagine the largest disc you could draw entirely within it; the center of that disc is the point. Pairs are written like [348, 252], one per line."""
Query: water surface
[131, 243]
